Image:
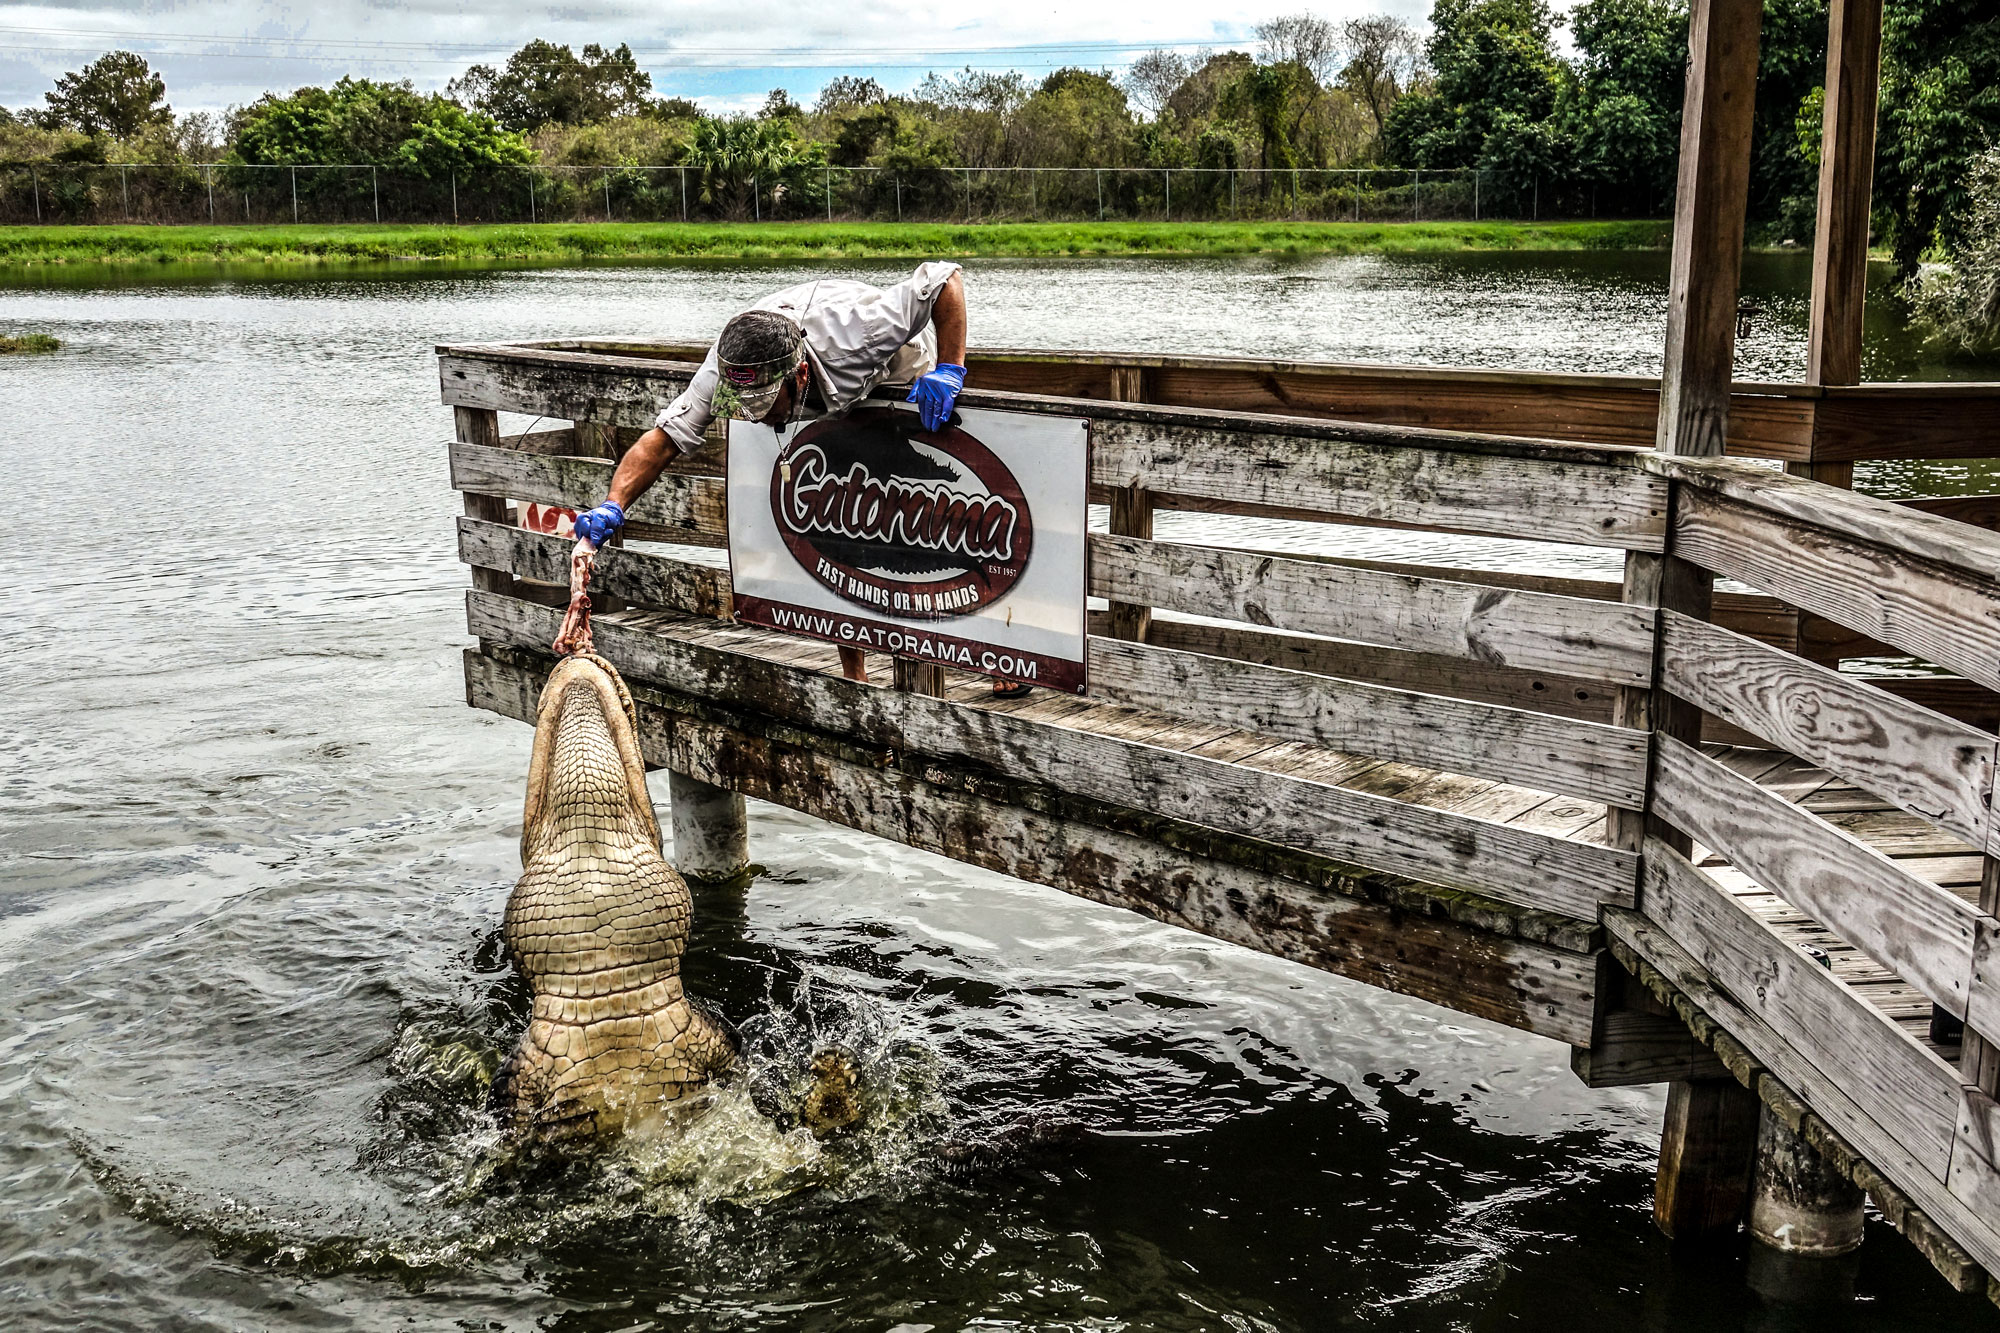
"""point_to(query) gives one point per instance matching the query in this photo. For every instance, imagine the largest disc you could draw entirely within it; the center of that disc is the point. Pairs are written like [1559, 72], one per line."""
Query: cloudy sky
[725, 54]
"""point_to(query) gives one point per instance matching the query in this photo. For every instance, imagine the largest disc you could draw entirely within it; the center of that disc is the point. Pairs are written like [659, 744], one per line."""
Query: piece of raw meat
[575, 634]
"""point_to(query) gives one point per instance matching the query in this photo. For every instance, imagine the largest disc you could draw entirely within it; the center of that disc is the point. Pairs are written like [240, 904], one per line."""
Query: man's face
[787, 399]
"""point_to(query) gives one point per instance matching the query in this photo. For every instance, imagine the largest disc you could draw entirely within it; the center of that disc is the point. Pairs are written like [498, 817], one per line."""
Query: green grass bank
[22, 247]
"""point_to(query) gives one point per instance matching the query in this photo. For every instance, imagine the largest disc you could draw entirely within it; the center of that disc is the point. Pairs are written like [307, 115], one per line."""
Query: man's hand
[597, 526]
[935, 393]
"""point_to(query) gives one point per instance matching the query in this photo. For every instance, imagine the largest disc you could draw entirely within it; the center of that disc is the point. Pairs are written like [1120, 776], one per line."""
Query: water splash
[469, 1191]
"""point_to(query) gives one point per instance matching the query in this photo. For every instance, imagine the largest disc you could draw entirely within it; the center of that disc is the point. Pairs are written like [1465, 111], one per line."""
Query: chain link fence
[236, 194]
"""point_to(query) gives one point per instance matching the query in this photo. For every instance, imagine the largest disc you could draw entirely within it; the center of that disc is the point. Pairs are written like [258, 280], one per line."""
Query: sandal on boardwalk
[1011, 689]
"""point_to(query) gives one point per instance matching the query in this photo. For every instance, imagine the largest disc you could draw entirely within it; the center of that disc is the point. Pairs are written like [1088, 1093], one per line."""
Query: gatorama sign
[962, 545]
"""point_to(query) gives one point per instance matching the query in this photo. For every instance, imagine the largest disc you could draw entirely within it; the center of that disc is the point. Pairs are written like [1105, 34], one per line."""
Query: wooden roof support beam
[1840, 240]
[1708, 226]
[1846, 182]
[1711, 1125]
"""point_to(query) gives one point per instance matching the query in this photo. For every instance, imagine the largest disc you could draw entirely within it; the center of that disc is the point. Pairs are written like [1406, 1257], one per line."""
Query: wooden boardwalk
[1931, 855]
[1653, 820]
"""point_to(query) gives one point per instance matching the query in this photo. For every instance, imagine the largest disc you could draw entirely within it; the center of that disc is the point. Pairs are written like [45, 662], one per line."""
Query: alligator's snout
[597, 924]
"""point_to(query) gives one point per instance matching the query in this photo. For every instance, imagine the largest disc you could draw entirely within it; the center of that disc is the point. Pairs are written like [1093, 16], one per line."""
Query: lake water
[254, 848]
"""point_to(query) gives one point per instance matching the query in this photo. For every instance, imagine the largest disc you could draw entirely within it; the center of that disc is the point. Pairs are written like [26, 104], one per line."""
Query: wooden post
[1846, 182]
[1710, 1132]
[711, 828]
[1708, 227]
[1131, 513]
[1979, 1059]
[481, 425]
[1706, 1147]
[917, 677]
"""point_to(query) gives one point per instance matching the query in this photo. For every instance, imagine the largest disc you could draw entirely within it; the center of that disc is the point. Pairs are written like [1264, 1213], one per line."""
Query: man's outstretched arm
[641, 467]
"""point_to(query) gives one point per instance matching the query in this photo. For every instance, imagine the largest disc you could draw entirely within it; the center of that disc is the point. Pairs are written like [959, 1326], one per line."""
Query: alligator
[597, 925]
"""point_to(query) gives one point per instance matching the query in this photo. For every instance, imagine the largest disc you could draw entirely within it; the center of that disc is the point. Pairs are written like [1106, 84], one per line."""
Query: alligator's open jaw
[597, 924]
[586, 748]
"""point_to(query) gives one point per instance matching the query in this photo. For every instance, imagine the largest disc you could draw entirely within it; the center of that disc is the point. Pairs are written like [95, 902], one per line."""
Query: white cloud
[719, 52]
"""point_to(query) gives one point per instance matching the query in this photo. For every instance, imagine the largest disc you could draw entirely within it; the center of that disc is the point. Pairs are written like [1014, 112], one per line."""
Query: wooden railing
[1928, 586]
[1431, 747]
[1798, 423]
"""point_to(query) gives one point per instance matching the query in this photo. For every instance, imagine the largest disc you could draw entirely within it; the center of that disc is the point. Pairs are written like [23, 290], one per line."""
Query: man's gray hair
[756, 337]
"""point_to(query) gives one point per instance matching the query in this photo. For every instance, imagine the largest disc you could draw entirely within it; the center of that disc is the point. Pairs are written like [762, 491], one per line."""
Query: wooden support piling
[1799, 1204]
[1706, 1148]
[711, 828]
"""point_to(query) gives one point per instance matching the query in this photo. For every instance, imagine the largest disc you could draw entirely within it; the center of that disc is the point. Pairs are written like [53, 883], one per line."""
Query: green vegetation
[1959, 303]
[569, 242]
[12, 344]
[1586, 126]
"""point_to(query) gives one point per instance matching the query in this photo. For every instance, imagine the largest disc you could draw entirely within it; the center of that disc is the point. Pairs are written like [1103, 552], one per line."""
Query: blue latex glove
[597, 526]
[936, 392]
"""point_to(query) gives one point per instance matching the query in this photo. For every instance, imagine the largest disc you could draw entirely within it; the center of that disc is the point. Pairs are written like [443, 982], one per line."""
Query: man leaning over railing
[808, 351]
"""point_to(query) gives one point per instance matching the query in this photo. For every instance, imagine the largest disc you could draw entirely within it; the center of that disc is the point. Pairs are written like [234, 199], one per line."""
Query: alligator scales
[597, 925]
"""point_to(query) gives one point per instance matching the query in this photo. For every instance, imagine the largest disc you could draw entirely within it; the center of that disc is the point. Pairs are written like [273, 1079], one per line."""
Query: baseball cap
[756, 354]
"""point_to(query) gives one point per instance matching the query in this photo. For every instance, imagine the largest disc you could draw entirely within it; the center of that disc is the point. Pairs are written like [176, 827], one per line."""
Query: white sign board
[963, 546]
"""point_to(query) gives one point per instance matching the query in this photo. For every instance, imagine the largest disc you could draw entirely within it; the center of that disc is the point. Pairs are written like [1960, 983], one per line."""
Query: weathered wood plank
[1571, 636]
[542, 441]
[1946, 614]
[1780, 421]
[1586, 759]
[1131, 516]
[1907, 421]
[638, 577]
[693, 510]
[1974, 1175]
[1374, 473]
[1924, 763]
[1765, 420]
[568, 386]
[1912, 1093]
[1981, 511]
[1537, 987]
[1916, 929]
[1631, 1048]
[1433, 673]
[482, 427]
[1522, 867]
[1907, 1188]
[1903, 532]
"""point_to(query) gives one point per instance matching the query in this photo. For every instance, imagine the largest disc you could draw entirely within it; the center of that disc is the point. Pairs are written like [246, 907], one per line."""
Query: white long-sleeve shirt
[856, 336]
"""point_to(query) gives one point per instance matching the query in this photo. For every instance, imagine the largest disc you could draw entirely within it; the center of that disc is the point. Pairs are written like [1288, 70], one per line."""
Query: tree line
[1487, 87]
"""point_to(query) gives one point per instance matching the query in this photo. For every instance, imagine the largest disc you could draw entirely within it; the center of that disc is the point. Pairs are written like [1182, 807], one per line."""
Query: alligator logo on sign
[919, 524]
